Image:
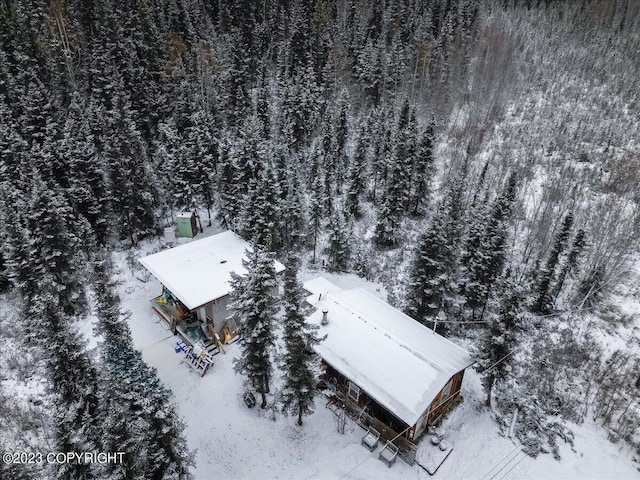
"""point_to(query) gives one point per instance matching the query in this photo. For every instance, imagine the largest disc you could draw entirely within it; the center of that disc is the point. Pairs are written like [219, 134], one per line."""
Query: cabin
[195, 279]
[382, 364]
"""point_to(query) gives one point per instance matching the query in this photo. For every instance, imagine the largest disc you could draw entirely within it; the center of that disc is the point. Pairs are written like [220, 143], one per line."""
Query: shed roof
[198, 272]
[399, 362]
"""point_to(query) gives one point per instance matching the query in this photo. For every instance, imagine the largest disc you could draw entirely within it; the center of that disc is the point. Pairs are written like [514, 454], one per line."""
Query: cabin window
[354, 391]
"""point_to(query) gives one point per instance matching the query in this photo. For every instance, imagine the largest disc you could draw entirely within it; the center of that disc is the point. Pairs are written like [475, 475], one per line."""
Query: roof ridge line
[438, 366]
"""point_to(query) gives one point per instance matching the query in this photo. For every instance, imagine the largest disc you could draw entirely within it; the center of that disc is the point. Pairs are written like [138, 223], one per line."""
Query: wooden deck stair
[200, 363]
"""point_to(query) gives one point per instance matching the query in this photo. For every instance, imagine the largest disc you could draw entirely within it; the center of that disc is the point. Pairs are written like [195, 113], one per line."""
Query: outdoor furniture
[388, 454]
[200, 362]
[370, 439]
[249, 399]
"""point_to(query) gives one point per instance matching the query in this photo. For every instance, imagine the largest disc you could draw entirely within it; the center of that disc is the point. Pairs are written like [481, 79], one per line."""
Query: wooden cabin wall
[438, 405]
[374, 409]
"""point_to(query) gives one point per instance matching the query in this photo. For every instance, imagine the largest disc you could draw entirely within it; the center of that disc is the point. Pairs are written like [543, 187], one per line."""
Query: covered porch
[193, 328]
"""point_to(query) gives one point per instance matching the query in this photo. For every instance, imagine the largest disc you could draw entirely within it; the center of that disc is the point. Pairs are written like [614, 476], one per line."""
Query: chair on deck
[370, 439]
[388, 454]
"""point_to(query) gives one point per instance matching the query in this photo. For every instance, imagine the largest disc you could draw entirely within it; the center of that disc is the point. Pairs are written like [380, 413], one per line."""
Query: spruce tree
[56, 237]
[543, 302]
[46, 269]
[260, 213]
[299, 360]
[315, 213]
[139, 418]
[431, 290]
[571, 262]
[73, 381]
[133, 184]
[229, 198]
[422, 172]
[396, 197]
[253, 301]
[500, 339]
[357, 182]
[338, 250]
[88, 189]
[485, 250]
[293, 216]
[202, 147]
[386, 229]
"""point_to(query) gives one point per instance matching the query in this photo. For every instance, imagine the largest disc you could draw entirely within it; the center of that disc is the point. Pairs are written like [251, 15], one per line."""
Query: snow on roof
[318, 287]
[198, 272]
[399, 362]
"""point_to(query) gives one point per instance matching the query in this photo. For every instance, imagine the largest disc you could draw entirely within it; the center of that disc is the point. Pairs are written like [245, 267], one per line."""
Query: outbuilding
[195, 284]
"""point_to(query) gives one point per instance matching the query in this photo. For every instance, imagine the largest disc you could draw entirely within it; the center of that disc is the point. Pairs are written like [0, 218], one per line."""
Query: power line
[524, 455]
[502, 460]
[507, 464]
[498, 362]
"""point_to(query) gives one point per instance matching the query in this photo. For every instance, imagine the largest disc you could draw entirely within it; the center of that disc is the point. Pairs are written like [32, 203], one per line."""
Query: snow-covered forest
[479, 160]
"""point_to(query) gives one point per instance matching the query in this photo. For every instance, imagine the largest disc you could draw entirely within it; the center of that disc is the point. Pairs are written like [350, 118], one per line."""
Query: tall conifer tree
[253, 301]
[500, 339]
[299, 339]
[543, 302]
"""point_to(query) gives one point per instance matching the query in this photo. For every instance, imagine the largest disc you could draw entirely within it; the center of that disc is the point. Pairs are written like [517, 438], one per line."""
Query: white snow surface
[230, 441]
[198, 272]
[397, 361]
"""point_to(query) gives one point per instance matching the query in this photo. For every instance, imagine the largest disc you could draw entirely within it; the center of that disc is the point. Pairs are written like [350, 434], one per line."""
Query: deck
[432, 454]
[190, 333]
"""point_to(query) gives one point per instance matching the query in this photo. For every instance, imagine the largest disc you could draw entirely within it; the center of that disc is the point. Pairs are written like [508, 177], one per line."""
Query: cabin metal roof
[198, 272]
[397, 361]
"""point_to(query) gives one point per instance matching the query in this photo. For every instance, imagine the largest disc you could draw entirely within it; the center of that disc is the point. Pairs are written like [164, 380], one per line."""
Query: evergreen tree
[260, 214]
[315, 213]
[432, 289]
[380, 136]
[73, 380]
[139, 417]
[301, 102]
[55, 240]
[229, 197]
[46, 268]
[253, 300]
[357, 181]
[500, 339]
[133, 184]
[338, 250]
[293, 216]
[202, 148]
[396, 197]
[422, 172]
[88, 189]
[370, 70]
[543, 302]
[386, 234]
[571, 262]
[486, 249]
[299, 361]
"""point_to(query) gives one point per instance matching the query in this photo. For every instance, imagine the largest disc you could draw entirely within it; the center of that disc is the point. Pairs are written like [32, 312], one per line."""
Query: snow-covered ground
[231, 441]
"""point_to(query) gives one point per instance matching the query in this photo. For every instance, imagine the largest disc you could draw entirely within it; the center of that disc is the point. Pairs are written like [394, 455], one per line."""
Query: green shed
[187, 225]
